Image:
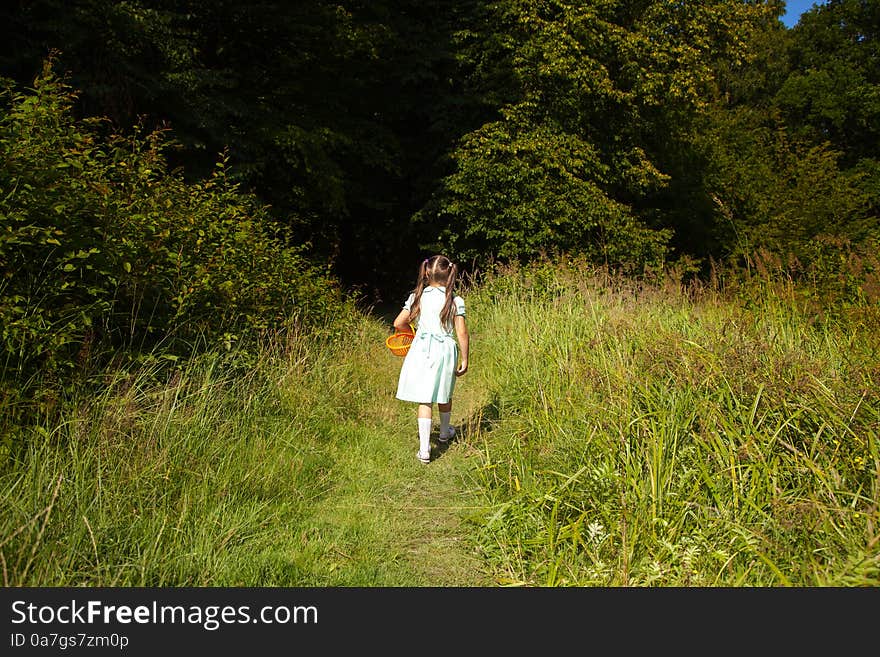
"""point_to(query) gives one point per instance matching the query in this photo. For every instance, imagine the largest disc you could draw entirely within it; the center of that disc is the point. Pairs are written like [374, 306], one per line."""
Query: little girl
[428, 373]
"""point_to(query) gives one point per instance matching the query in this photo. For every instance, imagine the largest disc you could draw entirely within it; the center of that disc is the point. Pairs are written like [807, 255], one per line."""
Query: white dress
[427, 375]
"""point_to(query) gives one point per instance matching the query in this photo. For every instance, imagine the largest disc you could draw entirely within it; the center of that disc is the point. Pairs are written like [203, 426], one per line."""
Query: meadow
[612, 432]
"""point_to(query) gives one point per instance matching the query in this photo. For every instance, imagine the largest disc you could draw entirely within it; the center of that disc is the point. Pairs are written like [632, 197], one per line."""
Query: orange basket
[399, 343]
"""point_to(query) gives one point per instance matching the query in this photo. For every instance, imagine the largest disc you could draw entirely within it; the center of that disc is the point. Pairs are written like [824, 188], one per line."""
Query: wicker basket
[399, 343]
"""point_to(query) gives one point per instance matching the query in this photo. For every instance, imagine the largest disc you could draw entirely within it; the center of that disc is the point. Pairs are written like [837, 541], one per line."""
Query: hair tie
[424, 262]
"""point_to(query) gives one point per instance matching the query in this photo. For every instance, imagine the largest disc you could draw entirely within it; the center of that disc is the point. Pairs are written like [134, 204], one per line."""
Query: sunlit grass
[648, 435]
[209, 479]
[612, 433]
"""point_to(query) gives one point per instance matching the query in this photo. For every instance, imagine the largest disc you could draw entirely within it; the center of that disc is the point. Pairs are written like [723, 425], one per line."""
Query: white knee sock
[425, 435]
[444, 423]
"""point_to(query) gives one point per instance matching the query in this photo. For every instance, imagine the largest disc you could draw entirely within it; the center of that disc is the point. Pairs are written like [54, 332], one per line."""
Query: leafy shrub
[104, 250]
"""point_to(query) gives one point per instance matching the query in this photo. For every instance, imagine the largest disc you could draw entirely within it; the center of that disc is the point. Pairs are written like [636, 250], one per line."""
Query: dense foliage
[596, 105]
[790, 151]
[104, 249]
[633, 133]
[332, 111]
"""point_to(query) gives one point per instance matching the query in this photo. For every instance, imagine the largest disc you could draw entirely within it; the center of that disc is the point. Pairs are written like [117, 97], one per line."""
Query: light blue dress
[427, 375]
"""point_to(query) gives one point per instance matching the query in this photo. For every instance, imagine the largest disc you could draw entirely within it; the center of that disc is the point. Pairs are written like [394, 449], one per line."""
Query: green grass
[660, 436]
[297, 471]
[611, 434]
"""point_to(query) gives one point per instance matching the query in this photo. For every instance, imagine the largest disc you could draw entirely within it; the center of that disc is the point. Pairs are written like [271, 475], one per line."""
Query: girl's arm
[401, 322]
[461, 332]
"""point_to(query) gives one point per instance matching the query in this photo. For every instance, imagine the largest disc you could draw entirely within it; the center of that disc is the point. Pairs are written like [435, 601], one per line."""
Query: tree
[595, 104]
[332, 112]
[832, 92]
[789, 147]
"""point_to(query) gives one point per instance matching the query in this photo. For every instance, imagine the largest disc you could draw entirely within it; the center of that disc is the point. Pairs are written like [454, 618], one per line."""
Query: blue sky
[794, 9]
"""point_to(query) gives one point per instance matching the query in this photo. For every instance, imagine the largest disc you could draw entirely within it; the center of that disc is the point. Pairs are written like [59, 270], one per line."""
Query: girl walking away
[439, 350]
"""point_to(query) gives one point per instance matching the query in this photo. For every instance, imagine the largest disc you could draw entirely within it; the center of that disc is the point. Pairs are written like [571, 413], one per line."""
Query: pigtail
[448, 312]
[417, 292]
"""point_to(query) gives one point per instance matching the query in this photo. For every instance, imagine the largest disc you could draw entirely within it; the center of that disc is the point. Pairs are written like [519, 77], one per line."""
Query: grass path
[305, 475]
[388, 519]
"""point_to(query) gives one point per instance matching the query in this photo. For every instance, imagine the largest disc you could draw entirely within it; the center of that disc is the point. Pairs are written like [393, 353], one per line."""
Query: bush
[105, 251]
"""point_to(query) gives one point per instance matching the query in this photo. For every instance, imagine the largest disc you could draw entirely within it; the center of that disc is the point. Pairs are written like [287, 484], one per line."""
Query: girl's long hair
[437, 270]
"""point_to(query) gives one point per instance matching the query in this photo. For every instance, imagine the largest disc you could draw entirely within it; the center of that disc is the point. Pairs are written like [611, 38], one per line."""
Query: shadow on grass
[480, 421]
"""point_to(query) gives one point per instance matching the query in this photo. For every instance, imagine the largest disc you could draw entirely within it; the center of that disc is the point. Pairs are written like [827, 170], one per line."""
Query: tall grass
[612, 433]
[208, 479]
[669, 435]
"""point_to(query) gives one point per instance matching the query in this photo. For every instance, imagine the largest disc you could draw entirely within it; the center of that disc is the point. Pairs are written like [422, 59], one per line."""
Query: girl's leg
[424, 418]
[445, 414]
